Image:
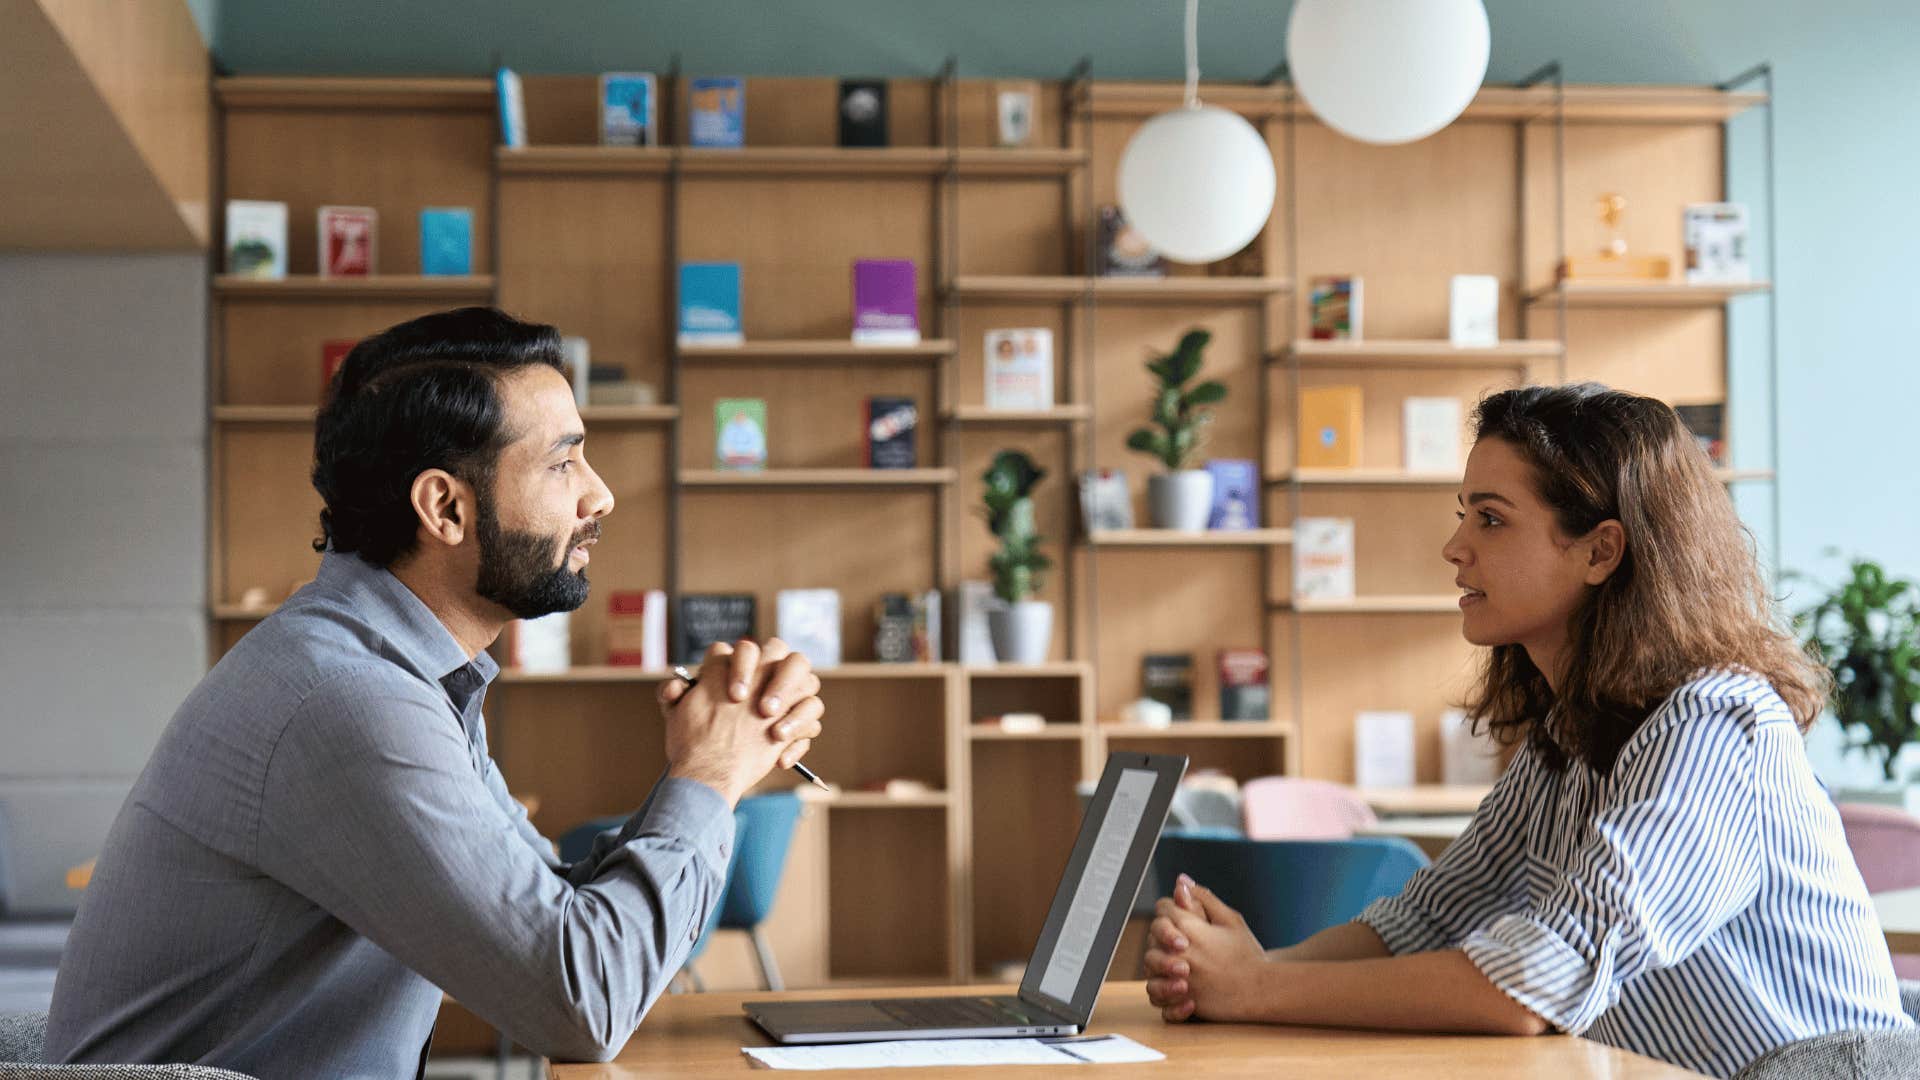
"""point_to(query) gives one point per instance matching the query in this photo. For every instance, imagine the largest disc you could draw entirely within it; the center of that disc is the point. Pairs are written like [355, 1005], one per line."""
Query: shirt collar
[407, 623]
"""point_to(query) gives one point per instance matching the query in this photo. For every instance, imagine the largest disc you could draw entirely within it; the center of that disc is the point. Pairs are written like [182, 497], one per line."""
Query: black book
[891, 423]
[705, 618]
[1168, 679]
[863, 112]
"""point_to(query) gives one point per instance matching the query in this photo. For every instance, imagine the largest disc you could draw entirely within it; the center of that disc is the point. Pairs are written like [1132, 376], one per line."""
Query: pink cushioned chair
[1286, 808]
[1886, 844]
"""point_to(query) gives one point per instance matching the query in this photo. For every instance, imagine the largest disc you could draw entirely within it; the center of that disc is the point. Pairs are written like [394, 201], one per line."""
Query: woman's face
[1521, 578]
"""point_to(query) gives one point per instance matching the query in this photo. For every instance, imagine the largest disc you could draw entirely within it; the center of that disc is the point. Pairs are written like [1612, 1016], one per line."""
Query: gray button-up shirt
[320, 845]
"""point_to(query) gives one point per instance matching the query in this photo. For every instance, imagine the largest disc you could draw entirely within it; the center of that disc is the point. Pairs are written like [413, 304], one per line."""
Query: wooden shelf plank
[1038, 161]
[874, 800]
[303, 414]
[817, 478]
[1049, 733]
[1584, 104]
[1069, 288]
[326, 92]
[377, 287]
[1635, 294]
[911, 161]
[814, 350]
[630, 414]
[1203, 729]
[874, 670]
[587, 673]
[979, 416]
[773, 161]
[1512, 355]
[1176, 538]
[1384, 604]
[1056, 669]
[583, 160]
[1365, 477]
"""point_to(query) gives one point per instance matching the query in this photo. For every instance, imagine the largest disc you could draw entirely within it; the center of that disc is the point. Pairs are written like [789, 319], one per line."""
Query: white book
[1019, 365]
[1323, 558]
[930, 603]
[256, 238]
[809, 622]
[1465, 758]
[1473, 311]
[1383, 750]
[1430, 434]
[976, 640]
[543, 644]
[653, 631]
[1716, 238]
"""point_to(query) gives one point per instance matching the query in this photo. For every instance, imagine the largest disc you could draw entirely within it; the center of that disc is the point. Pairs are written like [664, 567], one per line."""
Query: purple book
[886, 302]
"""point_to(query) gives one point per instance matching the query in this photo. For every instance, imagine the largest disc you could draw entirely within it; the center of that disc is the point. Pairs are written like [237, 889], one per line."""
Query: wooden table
[1900, 919]
[701, 1035]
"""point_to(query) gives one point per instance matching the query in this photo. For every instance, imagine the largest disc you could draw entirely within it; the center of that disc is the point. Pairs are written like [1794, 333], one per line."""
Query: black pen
[806, 774]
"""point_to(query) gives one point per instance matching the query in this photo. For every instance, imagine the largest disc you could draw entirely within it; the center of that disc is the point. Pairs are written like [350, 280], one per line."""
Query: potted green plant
[1181, 497]
[1021, 627]
[1867, 632]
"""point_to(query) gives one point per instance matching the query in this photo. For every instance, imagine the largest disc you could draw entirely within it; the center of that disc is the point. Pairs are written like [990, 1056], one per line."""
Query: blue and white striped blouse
[1699, 905]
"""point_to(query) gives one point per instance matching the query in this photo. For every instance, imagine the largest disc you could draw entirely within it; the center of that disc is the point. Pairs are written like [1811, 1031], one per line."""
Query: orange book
[1329, 428]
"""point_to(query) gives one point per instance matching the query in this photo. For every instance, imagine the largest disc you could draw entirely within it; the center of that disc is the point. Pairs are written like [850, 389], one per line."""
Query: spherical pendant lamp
[1387, 71]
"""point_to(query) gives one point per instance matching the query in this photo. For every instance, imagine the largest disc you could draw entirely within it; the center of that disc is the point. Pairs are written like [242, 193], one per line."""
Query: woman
[1658, 869]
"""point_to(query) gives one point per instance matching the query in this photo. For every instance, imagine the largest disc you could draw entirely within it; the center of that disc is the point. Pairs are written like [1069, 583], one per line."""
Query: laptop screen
[1096, 893]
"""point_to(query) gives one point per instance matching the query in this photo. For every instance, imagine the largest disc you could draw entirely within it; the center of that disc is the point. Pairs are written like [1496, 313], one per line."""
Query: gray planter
[1021, 632]
[1180, 500]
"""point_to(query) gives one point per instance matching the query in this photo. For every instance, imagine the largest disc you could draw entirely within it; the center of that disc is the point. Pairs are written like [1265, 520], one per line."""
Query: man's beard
[517, 571]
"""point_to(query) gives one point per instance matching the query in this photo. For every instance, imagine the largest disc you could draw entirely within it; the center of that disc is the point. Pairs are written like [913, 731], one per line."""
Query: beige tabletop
[701, 1035]
[1900, 919]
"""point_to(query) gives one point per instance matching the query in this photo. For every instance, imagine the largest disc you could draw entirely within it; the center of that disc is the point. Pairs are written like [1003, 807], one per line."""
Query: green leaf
[1207, 393]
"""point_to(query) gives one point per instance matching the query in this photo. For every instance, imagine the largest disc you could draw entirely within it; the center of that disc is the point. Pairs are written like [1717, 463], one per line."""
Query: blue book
[446, 240]
[626, 109]
[717, 112]
[1236, 494]
[710, 303]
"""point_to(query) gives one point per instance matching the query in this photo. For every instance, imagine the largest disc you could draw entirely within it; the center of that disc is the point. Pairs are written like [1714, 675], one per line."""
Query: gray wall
[103, 371]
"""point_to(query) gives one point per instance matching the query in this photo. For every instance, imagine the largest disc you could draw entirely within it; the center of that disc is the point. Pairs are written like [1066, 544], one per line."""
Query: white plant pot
[1180, 500]
[1022, 632]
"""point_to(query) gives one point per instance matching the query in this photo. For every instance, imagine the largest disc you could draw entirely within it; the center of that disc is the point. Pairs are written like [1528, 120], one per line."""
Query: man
[320, 843]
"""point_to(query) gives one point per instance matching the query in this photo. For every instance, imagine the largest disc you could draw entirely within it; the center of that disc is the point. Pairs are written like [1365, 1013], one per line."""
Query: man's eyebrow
[567, 441]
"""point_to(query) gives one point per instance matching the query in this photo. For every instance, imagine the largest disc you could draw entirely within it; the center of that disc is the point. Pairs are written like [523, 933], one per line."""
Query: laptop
[1117, 836]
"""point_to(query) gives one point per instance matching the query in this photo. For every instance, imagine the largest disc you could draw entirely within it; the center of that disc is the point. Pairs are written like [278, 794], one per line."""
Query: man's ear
[1606, 545]
[444, 504]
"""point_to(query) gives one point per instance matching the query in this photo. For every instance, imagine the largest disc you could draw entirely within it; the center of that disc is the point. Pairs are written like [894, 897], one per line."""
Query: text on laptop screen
[1095, 890]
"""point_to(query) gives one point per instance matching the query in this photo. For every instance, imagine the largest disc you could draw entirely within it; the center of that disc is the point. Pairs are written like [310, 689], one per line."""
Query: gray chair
[22, 1034]
[1847, 1055]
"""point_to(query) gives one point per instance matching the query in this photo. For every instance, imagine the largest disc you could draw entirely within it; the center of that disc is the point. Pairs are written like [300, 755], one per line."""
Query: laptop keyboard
[957, 1012]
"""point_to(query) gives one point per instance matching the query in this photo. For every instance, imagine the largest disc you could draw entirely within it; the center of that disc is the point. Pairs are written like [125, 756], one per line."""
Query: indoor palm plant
[1021, 627]
[1181, 497]
[1867, 632]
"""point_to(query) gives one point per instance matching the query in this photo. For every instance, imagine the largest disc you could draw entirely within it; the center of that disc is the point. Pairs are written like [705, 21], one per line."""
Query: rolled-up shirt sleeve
[375, 811]
[1671, 858]
[1477, 877]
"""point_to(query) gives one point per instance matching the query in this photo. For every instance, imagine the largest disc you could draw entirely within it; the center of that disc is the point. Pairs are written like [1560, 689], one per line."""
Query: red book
[347, 238]
[332, 355]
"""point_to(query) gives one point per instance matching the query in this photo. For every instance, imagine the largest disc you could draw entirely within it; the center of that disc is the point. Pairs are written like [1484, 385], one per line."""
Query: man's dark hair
[420, 395]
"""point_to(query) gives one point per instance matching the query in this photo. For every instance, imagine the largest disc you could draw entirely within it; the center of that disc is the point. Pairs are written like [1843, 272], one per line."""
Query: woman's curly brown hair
[1687, 596]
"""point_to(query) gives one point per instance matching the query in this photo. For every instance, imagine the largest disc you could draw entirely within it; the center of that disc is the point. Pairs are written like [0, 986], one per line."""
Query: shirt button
[693, 934]
[723, 851]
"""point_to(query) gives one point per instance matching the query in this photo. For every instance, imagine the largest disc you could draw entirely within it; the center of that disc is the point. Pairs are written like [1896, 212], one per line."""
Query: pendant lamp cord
[1193, 54]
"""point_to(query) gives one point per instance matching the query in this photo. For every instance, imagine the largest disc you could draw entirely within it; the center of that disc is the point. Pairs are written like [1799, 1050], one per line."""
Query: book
[1168, 679]
[349, 236]
[892, 423]
[1014, 114]
[577, 355]
[1431, 429]
[809, 622]
[626, 109]
[705, 618]
[1019, 367]
[637, 629]
[1473, 311]
[333, 353]
[257, 238]
[1329, 435]
[1243, 685]
[1334, 309]
[1122, 251]
[446, 240]
[540, 645]
[863, 112]
[1105, 502]
[717, 111]
[975, 639]
[1323, 558]
[1708, 424]
[1383, 749]
[710, 304]
[893, 629]
[1716, 239]
[886, 302]
[511, 100]
[740, 434]
[1236, 494]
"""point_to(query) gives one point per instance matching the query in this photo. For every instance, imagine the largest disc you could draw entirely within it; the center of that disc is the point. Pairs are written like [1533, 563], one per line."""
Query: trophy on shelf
[1613, 262]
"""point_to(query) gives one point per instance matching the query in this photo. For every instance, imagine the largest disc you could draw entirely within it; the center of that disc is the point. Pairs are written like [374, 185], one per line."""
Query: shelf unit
[586, 237]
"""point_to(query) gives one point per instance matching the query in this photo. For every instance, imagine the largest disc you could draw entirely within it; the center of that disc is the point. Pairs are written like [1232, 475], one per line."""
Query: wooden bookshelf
[475, 287]
[922, 162]
[1374, 605]
[979, 416]
[1636, 294]
[1115, 290]
[1202, 729]
[1365, 477]
[817, 478]
[991, 732]
[1175, 538]
[1434, 354]
[814, 352]
[1612, 105]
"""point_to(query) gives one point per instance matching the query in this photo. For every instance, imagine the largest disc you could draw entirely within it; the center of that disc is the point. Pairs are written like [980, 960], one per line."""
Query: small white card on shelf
[1323, 558]
[1430, 434]
[1473, 320]
[1383, 749]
